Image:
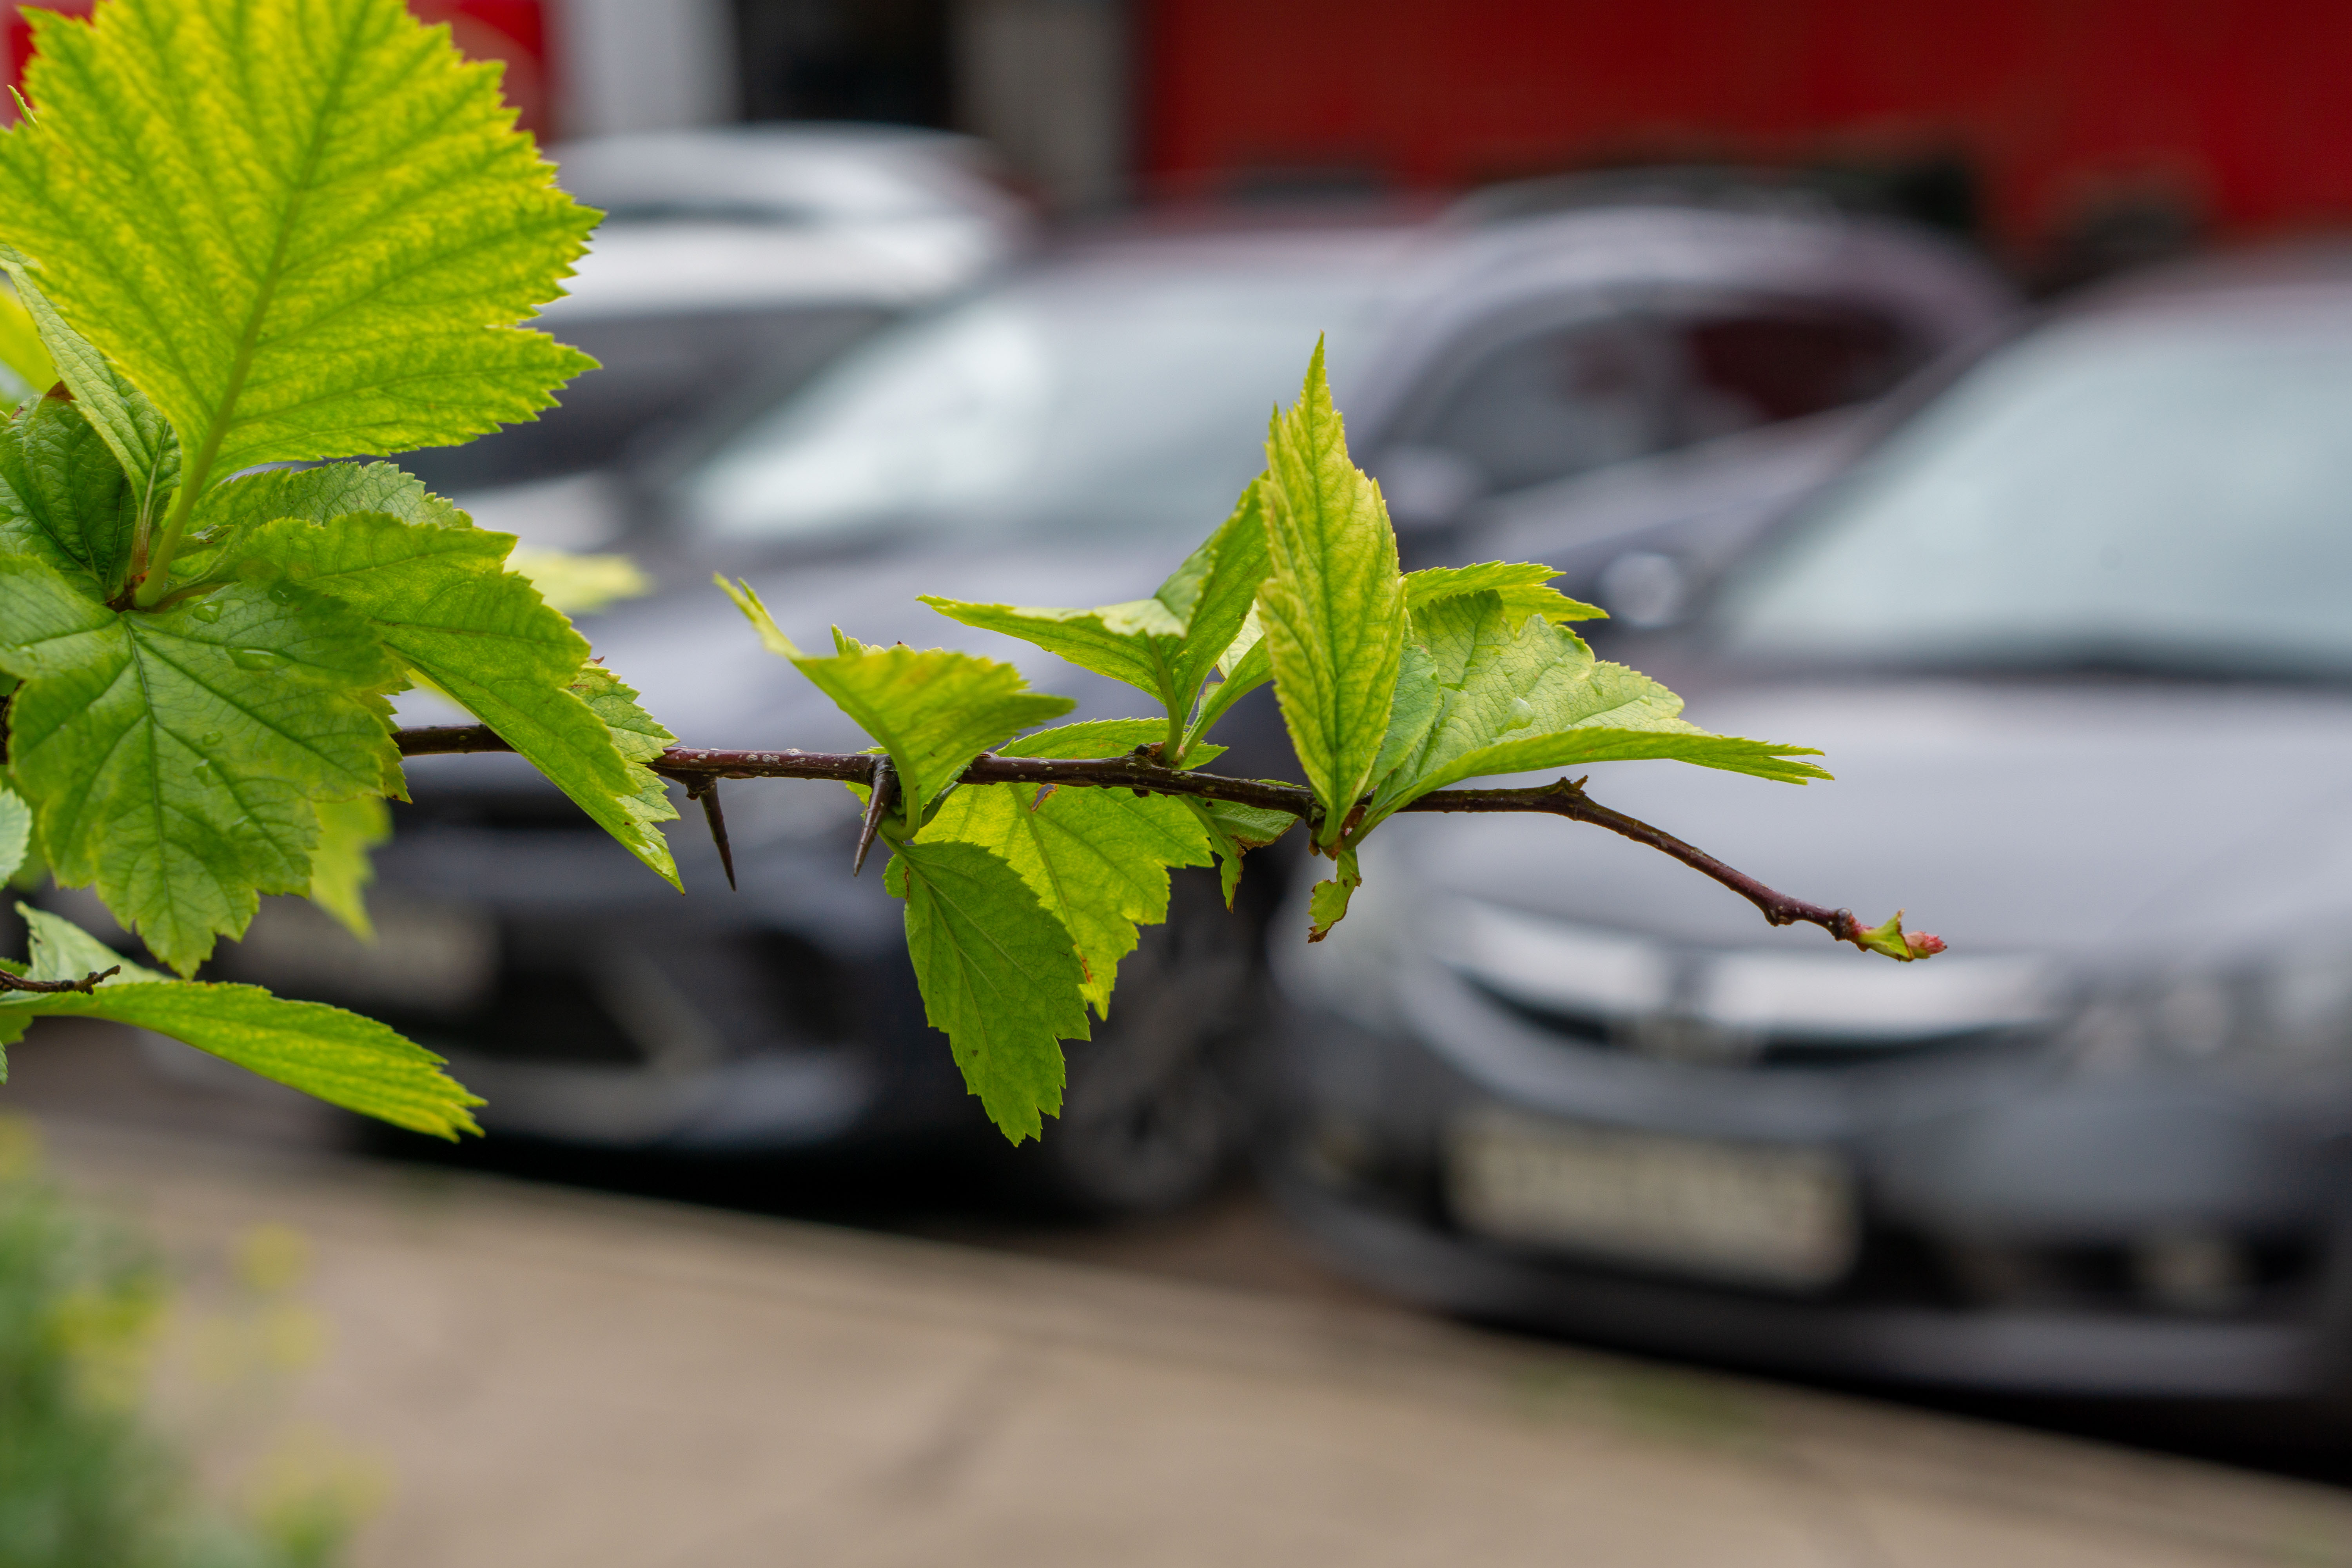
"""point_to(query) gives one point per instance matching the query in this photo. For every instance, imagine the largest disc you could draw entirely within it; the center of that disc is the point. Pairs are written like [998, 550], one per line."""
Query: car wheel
[1152, 1116]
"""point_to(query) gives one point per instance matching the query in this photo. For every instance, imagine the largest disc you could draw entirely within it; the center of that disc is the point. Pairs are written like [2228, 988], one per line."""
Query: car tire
[1153, 1116]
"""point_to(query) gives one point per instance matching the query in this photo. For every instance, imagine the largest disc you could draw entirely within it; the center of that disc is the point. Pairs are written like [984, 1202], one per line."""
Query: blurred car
[1063, 437]
[2075, 639]
[730, 264]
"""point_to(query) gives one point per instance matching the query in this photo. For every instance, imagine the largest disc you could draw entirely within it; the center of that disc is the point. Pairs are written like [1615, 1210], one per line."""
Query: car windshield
[2167, 493]
[1114, 403]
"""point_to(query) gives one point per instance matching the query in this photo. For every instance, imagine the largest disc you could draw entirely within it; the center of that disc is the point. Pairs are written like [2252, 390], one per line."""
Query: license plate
[1749, 1213]
[436, 957]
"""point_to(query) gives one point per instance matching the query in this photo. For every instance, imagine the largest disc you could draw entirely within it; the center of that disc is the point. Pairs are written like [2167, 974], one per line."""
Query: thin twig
[1140, 770]
[86, 984]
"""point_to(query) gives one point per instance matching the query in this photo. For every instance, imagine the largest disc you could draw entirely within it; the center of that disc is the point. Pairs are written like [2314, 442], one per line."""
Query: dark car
[2076, 641]
[1065, 438]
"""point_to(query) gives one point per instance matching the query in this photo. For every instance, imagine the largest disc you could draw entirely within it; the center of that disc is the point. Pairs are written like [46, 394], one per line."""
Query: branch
[86, 984]
[698, 768]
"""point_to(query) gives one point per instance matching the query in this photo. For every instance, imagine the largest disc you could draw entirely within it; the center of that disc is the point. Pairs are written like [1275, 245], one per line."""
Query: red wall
[2242, 108]
[514, 31]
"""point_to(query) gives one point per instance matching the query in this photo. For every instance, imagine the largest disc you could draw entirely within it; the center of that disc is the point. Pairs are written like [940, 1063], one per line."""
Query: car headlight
[2281, 1014]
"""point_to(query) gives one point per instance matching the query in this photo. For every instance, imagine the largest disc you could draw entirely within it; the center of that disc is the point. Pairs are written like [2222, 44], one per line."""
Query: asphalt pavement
[544, 1375]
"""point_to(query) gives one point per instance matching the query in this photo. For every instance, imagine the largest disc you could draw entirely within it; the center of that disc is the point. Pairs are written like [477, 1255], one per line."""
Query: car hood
[2125, 823]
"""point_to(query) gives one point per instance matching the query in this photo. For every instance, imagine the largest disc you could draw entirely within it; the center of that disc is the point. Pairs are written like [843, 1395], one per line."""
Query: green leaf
[304, 228]
[1481, 694]
[1333, 605]
[1236, 830]
[1326, 902]
[1135, 642]
[998, 973]
[173, 757]
[636, 736]
[1521, 584]
[20, 348]
[340, 868]
[15, 831]
[339, 1057]
[1097, 858]
[64, 499]
[933, 710]
[142, 439]
[1215, 591]
[1250, 670]
[444, 604]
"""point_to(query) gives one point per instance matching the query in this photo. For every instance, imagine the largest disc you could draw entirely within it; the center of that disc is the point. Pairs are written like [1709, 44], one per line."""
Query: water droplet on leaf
[209, 738]
[1522, 710]
[256, 657]
[208, 612]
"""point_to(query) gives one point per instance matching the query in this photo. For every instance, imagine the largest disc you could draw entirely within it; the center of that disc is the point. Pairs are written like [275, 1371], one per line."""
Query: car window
[1744, 369]
[1559, 399]
[1554, 402]
[1118, 403]
[2173, 492]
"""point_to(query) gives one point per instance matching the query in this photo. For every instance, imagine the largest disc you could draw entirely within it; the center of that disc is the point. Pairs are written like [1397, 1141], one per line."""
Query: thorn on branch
[706, 792]
[884, 794]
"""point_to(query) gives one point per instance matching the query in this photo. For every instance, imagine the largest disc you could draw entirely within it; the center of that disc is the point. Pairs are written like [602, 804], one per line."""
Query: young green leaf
[445, 605]
[1522, 586]
[998, 975]
[1138, 642]
[1486, 688]
[15, 831]
[1244, 671]
[580, 584]
[64, 499]
[1097, 858]
[933, 710]
[304, 228]
[1236, 830]
[340, 868]
[339, 1057]
[1215, 592]
[1333, 605]
[21, 353]
[173, 757]
[1326, 901]
[143, 440]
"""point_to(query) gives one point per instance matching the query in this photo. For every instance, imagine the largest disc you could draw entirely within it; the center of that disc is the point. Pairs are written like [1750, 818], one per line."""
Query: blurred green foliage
[87, 1480]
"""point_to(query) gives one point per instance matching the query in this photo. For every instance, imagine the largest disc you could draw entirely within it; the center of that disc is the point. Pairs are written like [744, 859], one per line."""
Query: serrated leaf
[1333, 605]
[444, 604]
[339, 1057]
[1326, 901]
[321, 494]
[933, 710]
[1097, 858]
[1135, 642]
[64, 499]
[998, 973]
[142, 439]
[172, 756]
[15, 831]
[1215, 591]
[1481, 695]
[1523, 586]
[340, 868]
[1236, 830]
[304, 228]
[636, 735]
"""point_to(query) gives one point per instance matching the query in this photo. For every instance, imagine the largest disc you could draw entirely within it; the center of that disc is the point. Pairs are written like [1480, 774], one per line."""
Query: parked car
[1063, 437]
[2074, 640]
[730, 264]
